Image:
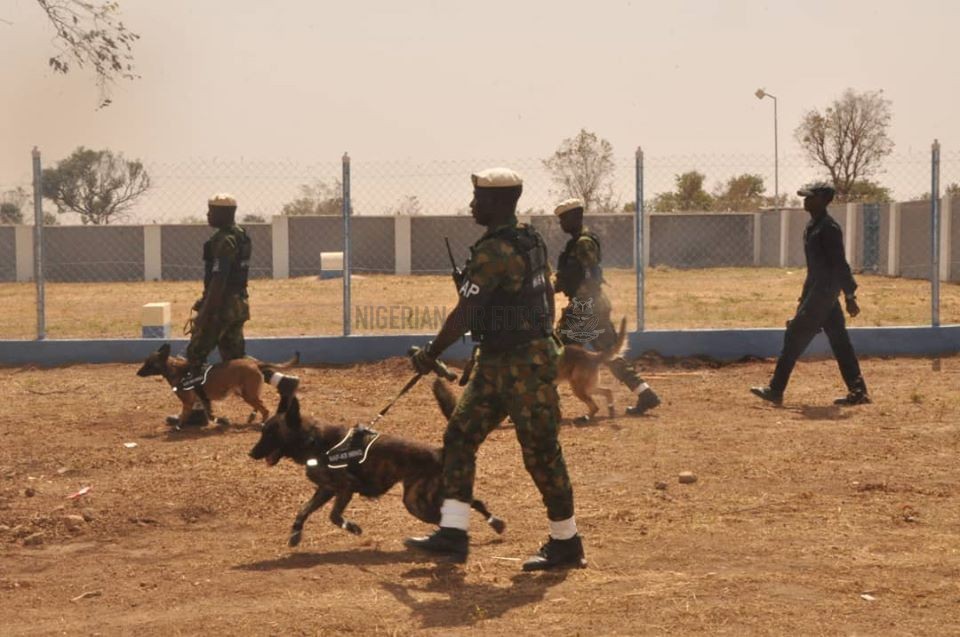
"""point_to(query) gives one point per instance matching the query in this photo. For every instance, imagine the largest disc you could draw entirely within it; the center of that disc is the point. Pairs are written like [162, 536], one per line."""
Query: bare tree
[583, 167]
[849, 138]
[96, 184]
[321, 198]
[90, 34]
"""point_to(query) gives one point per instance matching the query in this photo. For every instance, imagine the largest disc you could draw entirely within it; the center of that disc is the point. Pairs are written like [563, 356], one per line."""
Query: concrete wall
[693, 240]
[915, 239]
[428, 253]
[372, 247]
[954, 268]
[884, 260]
[309, 236]
[380, 244]
[93, 253]
[770, 239]
[8, 254]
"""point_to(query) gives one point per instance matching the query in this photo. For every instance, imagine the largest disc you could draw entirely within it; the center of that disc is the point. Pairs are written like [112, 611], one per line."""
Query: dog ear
[164, 350]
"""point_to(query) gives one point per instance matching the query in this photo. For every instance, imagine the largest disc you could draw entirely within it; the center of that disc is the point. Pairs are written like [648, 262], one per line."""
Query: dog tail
[292, 362]
[620, 347]
[445, 397]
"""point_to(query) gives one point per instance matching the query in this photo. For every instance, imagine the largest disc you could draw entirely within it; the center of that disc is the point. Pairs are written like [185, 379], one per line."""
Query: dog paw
[497, 524]
[581, 420]
[223, 422]
[294, 538]
[352, 528]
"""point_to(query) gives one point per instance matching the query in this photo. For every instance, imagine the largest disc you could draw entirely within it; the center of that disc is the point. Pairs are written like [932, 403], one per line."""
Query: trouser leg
[477, 413]
[835, 328]
[536, 415]
[796, 339]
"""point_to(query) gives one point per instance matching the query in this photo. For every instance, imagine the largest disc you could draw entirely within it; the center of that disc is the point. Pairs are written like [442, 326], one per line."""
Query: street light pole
[776, 152]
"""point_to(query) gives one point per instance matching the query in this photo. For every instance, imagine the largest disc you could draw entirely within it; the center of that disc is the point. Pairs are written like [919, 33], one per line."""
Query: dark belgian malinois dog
[241, 376]
[388, 460]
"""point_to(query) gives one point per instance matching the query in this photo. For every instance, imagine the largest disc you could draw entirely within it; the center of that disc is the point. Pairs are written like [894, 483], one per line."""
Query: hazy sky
[306, 80]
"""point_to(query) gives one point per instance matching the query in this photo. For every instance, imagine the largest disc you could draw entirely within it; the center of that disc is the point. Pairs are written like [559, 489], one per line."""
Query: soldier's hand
[852, 307]
[422, 362]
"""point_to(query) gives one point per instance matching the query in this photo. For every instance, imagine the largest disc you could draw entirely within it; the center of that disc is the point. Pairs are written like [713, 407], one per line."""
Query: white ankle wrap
[642, 387]
[276, 378]
[564, 529]
[455, 514]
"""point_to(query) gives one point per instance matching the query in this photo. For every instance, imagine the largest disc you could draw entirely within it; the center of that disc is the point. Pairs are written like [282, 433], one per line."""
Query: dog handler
[506, 301]
[580, 278]
[223, 308]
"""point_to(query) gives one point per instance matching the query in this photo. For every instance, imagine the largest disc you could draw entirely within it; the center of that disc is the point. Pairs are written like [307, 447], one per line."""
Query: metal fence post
[638, 255]
[935, 234]
[38, 245]
[346, 244]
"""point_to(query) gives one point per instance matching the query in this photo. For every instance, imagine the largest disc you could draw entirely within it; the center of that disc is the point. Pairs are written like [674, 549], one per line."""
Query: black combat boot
[646, 400]
[768, 394]
[854, 397]
[856, 394]
[558, 554]
[453, 543]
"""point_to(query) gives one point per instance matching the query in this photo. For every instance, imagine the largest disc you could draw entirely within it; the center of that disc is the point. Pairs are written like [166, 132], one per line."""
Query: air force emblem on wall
[580, 323]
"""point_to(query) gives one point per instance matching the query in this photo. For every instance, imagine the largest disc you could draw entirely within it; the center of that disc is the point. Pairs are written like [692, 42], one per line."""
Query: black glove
[423, 363]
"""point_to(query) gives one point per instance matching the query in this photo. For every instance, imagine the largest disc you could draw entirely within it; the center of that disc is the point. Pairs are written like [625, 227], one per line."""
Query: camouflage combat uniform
[227, 252]
[515, 373]
[580, 277]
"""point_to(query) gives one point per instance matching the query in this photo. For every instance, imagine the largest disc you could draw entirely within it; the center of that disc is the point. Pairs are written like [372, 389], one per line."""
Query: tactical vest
[239, 269]
[570, 273]
[510, 319]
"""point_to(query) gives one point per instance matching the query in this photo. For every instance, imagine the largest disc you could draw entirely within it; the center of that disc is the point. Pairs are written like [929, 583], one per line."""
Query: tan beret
[567, 205]
[223, 200]
[496, 178]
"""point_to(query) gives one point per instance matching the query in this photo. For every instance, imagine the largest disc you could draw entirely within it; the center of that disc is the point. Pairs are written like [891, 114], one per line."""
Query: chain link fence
[719, 249]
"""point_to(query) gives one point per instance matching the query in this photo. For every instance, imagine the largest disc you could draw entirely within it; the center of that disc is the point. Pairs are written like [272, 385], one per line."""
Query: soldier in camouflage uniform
[580, 278]
[506, 301]
[223, 308]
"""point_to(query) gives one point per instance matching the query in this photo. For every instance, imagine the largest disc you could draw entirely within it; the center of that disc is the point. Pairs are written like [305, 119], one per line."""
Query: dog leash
[440, 369]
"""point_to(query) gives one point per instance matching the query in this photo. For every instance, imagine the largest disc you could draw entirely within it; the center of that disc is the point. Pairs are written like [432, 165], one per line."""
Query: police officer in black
[828, 274]
[580, 278]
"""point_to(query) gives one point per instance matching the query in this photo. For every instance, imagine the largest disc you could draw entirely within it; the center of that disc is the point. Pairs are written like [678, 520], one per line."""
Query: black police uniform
[828, 273]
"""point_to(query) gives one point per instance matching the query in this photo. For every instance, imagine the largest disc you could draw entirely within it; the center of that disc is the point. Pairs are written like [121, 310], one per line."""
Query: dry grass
[704, 298]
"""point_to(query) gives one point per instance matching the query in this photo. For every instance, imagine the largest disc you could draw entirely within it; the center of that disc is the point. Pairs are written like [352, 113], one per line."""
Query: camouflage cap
[222, 200]
[567, 205]
[816, 188]
[496, 178]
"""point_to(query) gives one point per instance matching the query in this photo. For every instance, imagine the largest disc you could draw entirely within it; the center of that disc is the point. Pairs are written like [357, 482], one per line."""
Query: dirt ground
[807, 519]
[307, 306]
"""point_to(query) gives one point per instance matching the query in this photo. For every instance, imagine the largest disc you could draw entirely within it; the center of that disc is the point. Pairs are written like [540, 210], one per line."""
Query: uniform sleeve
[832, 238]
[486, 271]
[224, 254]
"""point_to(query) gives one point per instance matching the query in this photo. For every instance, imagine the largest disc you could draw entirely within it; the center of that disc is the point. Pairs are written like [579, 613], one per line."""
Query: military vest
[510, 318]
[239, 270]
[570, 273]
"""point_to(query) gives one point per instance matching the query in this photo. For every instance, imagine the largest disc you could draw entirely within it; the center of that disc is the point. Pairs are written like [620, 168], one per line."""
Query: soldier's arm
[481, 278]
[836, 257]
[223, 256]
